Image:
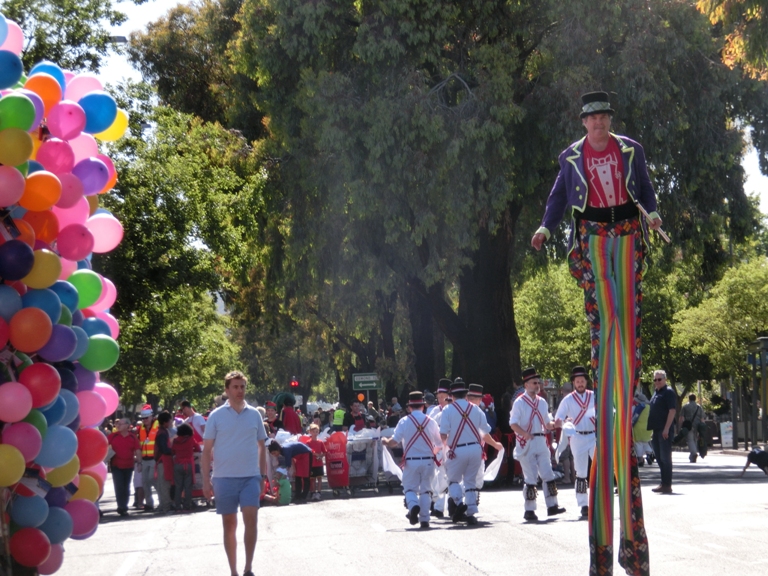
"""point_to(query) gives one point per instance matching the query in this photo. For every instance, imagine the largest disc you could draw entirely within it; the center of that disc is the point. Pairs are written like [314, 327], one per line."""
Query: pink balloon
[110, 165]
[25, 438]
[85, 516]
[68, 75]
[66, 120]
[81, 84]
[114, 327]
[75, 242]
[100, 470]
[54, 562]
[15, 402]
[11, 185]
[71, 190]
[107, 232]
[56, 156]
[14, 42]
[92, 408]
[84, 146]
[67, 268]
[77, 214]
[107, 298]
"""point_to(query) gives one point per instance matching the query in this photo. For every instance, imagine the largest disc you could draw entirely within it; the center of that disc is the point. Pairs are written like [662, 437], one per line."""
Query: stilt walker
[604, 183]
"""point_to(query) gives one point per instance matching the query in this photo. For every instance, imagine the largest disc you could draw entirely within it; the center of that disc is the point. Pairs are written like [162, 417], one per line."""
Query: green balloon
[21, 82]
[36, 418]
[88, 286]
[26, 361]
[66, 316]
[23, 168]
[16, 111]
[101, 355]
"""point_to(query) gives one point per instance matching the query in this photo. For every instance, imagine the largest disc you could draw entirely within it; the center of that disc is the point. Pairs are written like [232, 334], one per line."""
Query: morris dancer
[420, 438]
[579, 408]
[440, 482]
[530, 420]
[604, 184]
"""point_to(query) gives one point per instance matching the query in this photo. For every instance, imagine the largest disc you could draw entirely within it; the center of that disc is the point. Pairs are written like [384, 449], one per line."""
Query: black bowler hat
[579, 371]
[458, 386]
[415, 399]
[475, 390]
[595, 103]
[444, 385]
[529, 373]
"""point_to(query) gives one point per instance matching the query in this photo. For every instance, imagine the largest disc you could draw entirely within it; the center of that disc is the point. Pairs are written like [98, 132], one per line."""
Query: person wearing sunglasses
[661, 420]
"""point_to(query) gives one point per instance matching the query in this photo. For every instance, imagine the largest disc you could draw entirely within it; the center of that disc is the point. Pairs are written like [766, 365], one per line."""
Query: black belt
[585, 433]
[419, 458]
[147, 458]
[466, 444]
[609, 215]
[538, 434]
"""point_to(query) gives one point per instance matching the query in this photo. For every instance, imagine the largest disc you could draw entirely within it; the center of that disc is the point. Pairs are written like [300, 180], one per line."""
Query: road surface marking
[430, 569]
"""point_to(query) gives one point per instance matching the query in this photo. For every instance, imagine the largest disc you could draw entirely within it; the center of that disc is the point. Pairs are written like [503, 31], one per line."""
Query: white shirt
[450, 421]
[406, 430]
[434, 410]
[580, 408]
[523, 415]
[197, 421]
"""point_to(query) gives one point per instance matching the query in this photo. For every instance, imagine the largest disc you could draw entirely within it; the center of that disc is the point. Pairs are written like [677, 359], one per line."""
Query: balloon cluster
[56, 333]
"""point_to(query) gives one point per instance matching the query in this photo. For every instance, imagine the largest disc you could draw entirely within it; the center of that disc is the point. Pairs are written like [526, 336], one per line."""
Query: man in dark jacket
[661, 421]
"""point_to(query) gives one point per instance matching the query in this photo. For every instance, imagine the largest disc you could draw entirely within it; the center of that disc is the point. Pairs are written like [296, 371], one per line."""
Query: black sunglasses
[658, 379]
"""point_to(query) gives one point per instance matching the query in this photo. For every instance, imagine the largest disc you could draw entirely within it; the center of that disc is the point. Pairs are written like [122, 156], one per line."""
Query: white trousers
[535, 460]
[417, 485]
[463, 468]
[642, 448]
[439, 487]
[582, 448]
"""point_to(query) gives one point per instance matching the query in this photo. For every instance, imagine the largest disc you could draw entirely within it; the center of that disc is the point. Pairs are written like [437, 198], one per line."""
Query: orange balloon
[31, 328]
[41, 191]
[93, 204]
[27, 233]
[47, 87]
[45, 224]
[110, 184]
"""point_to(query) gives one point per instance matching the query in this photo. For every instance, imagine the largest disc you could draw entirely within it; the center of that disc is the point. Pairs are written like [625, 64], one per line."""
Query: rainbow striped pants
[608, 263]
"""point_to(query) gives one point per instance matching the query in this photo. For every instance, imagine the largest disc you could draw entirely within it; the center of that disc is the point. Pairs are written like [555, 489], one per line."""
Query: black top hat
[415, 399]
[595, 103]
[529, 373]
[579, 371]
[475, 390]
[458, 385]
[444, 385]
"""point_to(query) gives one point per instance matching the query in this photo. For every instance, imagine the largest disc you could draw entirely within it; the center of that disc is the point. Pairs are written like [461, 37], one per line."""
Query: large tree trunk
[422, 334]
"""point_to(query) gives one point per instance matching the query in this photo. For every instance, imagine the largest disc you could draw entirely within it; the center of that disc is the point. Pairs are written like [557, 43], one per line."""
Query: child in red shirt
[184, 448]
[316, 467]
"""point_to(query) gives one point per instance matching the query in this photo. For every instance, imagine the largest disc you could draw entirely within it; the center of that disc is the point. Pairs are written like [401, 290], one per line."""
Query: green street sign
[366, 381]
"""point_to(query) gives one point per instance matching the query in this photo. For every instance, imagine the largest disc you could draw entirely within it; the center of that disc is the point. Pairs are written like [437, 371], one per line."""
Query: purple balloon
[86, 380]
[39, 106]
[93, 173]
[16, 260]
[77, 318]
[75, 424]
[68, 380]
[56, 497]
[60, 345]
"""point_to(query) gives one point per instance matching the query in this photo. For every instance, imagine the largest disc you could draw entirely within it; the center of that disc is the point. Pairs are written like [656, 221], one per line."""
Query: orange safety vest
[148, 441]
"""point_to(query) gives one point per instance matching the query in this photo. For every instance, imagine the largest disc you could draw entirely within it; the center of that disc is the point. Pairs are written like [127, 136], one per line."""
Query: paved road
[715, 524]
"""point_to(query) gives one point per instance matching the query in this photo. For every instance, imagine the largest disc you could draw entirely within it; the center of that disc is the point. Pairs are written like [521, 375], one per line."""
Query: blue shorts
[229, 492]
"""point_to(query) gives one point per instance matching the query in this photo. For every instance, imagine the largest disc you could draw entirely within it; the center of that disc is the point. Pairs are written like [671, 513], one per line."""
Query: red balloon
[30, 547]
[92, 447]
[43, 382]
[5, 332]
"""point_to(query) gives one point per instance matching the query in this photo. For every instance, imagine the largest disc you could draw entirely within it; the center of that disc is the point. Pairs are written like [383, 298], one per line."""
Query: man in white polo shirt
[235, 434]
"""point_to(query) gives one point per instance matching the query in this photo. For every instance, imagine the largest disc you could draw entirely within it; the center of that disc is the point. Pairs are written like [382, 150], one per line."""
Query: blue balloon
[58, 525]
[30, 511]
[11, 70]
[59, 446]
[54, 413]
[94, 326]
[34, 166]
[52, 69]
[82, 343]
[18, 212]
[3, 29]
[83, 265]
[67, 293]
[60, 345]
[56, 498]
[68, 380]
[10, 302]
[72, 407]
[16, 260]
[100, 111]
[45, 299]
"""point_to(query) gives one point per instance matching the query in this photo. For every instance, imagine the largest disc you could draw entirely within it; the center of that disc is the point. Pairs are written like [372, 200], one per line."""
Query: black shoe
[148, 508]
[530, 516]
[585, 512]
[424, 525]
[451, 507]
[460, 514]
[692, 459]
[437, 513]
[553, 510]
[123, 512]
[650, 459]
[471, 520]
[640, 463]
[249, 573]
[413, 515]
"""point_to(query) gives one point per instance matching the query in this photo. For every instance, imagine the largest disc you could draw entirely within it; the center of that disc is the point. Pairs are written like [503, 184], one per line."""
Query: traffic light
[294, 382]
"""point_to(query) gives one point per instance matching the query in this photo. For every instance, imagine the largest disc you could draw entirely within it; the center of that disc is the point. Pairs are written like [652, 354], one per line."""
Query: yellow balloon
[88, 489]
[45, 271]
[15, 146]
[93, 203]
[11, 465]
[36, 143]
[63, 475]
[117, 129]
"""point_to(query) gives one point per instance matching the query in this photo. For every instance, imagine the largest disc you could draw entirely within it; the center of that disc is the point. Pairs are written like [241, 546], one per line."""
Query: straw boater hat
[595, 103]
[579, 371]
[529, 373]
[416, 399]
[458, 386]
[475, 390]
[270, 404]
[444, 386]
